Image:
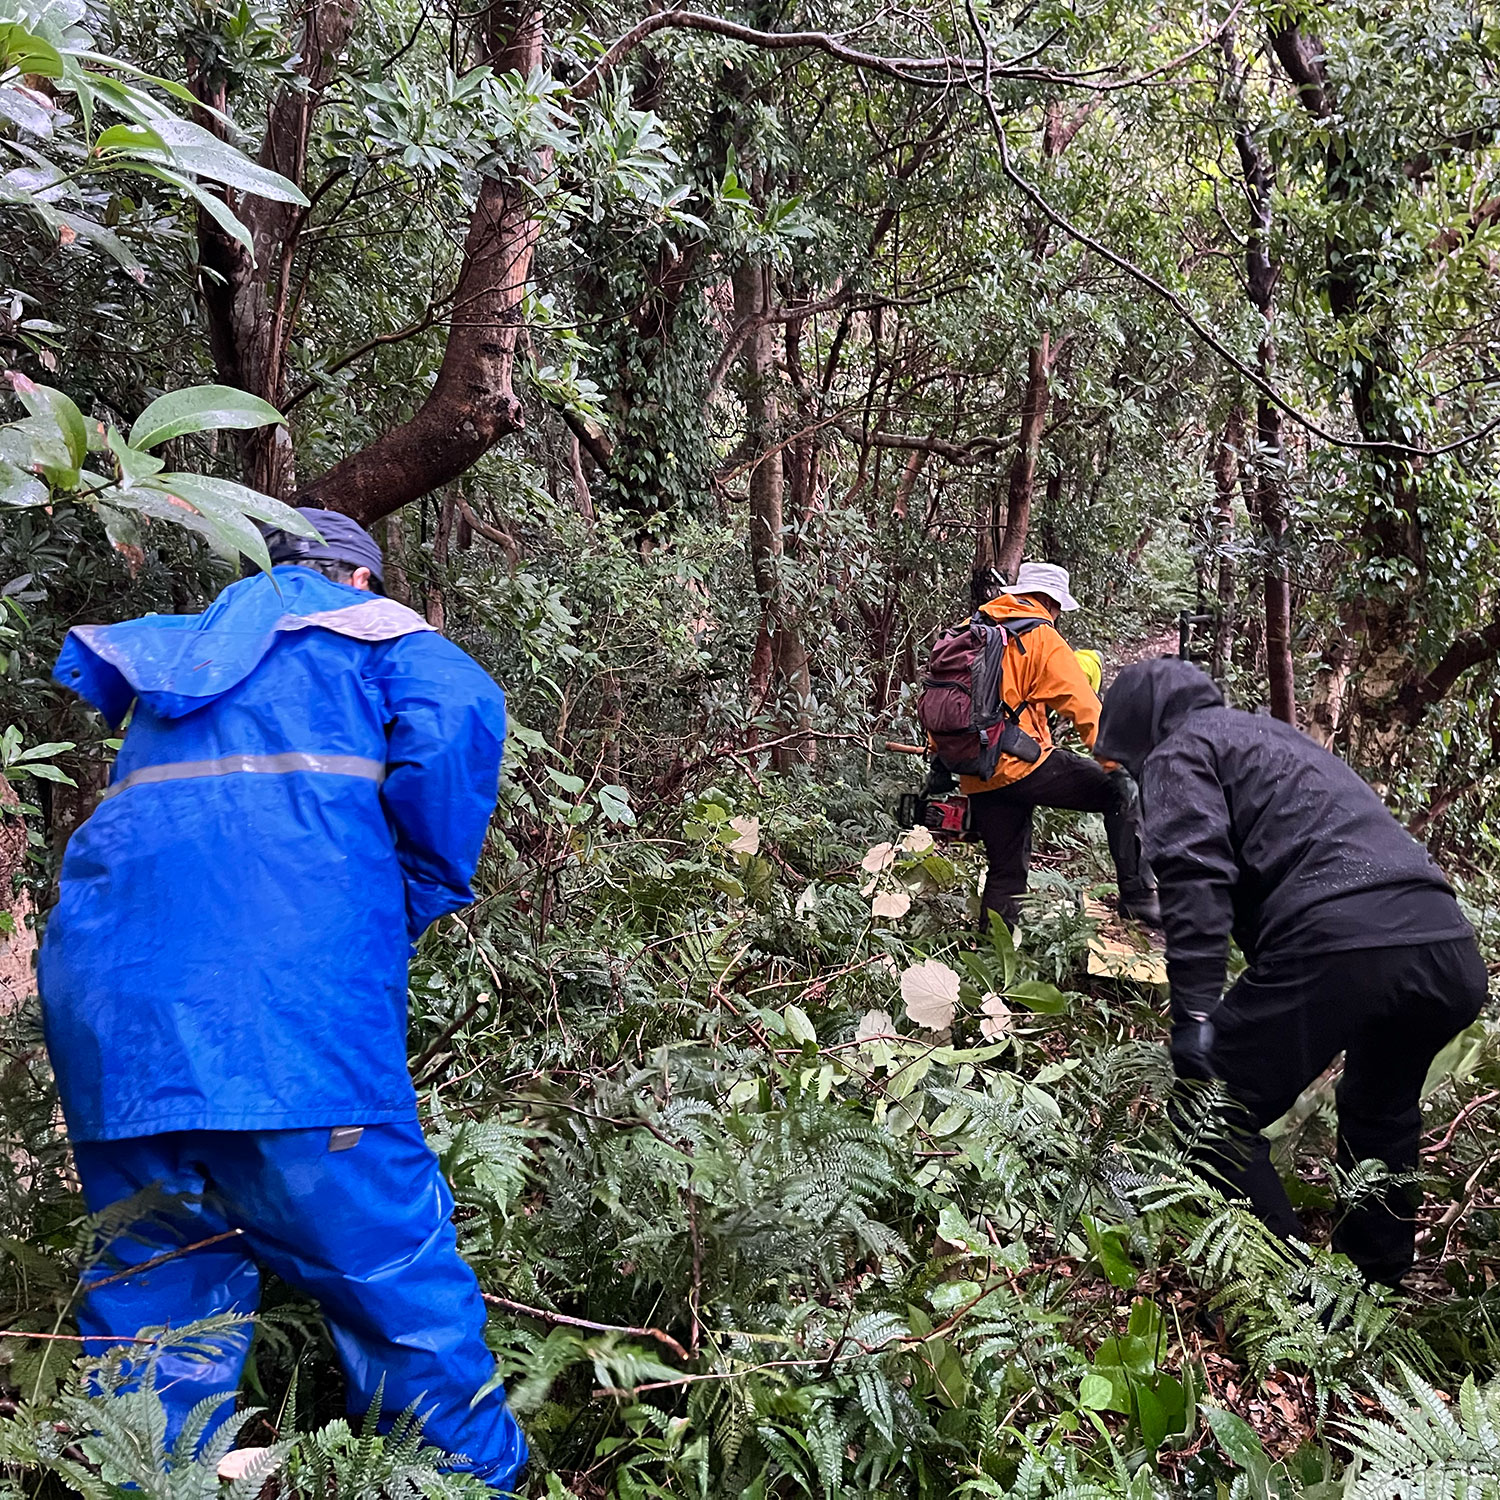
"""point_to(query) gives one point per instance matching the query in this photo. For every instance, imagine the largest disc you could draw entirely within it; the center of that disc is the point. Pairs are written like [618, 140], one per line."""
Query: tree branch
[1188, 316]
[1468, 651]
[472, 403]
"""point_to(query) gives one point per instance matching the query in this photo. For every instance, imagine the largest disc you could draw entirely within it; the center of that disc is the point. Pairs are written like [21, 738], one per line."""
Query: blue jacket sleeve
[445, 731]
[1190, 845]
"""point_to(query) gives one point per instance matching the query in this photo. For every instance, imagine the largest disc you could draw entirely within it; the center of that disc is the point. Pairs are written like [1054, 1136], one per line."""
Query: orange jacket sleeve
[1059, 683]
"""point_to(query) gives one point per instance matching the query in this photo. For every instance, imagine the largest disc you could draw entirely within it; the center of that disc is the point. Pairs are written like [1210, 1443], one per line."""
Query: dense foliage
[688, 364]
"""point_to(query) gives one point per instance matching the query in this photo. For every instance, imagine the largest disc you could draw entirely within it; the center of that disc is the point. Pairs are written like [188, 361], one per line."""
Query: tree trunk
[1226, 483]
[437, 606]
[781, 661]
[18, 945]
[1271, 509]
[247, 298]
[1023, 467]
[1280, 674]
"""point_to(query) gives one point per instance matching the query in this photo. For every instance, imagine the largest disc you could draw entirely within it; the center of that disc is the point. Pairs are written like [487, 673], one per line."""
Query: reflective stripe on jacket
[1041, 671]
[305, 785]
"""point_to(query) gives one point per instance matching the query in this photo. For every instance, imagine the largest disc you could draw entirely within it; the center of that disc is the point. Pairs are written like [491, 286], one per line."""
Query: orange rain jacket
[1042, 672]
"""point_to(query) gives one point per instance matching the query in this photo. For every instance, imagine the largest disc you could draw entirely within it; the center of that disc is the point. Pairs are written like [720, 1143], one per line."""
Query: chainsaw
[947, 817]
[939, 806]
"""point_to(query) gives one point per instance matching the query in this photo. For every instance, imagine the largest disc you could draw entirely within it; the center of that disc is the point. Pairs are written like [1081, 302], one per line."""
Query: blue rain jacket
[305, 785]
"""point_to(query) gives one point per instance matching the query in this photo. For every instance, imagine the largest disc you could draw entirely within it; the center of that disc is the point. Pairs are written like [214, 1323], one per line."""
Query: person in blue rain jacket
[303, 788]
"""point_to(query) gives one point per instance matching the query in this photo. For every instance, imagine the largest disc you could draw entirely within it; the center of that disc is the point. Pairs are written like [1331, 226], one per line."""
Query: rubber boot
[1122, 827]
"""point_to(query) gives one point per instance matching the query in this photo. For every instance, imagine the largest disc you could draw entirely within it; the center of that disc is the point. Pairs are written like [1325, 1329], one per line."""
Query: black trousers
[1002, 820]
[1390, 1011]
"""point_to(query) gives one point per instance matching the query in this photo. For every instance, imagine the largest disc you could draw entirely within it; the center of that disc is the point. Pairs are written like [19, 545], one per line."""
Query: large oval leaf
[199, 409]
[218, 495]
[25, 52]
[191, 148]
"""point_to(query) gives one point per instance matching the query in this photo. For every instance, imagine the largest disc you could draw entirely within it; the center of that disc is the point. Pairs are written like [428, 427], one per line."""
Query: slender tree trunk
[1226, 483]
[248, 297]
[780, 660]
[1280, 674]
[1271, 508]
[437, 608]
[1028, 450]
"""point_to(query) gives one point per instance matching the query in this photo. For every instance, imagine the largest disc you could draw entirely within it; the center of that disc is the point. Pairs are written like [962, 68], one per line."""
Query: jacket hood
[178, 663]
[1146, 702]
[1009, 607]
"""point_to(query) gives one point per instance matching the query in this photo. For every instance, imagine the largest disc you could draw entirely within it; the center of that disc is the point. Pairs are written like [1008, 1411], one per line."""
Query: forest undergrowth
[782, 1181]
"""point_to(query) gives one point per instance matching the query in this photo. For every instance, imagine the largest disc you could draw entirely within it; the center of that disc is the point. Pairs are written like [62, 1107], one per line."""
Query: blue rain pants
[366, 1231]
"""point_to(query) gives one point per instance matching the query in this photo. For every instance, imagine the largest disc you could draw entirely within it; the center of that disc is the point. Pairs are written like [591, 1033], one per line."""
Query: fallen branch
[1458, 1120]
[161, 1260]
[664, 1339]
[73, 1338]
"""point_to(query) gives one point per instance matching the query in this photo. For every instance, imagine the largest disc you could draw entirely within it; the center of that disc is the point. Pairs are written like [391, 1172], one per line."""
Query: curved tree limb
[1204, 334]
[472, 404]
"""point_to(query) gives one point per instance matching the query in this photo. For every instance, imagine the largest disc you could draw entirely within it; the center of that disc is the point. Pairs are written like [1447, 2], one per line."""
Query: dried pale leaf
[748, 836]
[881, 857]
[918, 841]
[1114, 960]
[929, 991]
[890, 904]
[997, 1017]
[874, 1024]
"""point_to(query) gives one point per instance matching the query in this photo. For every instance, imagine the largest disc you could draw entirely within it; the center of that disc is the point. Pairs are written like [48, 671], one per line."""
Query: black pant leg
[1122, 827]
[1435, 991]
[1004, 826]
[1277, 1030]
[1002, 819]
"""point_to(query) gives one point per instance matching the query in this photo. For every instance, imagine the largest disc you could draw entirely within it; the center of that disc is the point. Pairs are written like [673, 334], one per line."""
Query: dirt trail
[1163, 642]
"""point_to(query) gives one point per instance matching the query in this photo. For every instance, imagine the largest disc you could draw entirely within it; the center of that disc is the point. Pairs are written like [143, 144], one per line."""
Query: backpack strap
[1013, 629]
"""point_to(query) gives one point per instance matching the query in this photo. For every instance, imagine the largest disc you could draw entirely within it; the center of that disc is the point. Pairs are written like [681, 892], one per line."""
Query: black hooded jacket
[1254, 830]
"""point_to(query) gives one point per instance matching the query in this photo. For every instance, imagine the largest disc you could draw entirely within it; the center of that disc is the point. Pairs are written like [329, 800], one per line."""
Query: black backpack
[962, 705]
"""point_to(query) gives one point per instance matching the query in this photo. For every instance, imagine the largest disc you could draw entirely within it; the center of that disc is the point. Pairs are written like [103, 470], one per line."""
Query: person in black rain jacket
[1354, 940]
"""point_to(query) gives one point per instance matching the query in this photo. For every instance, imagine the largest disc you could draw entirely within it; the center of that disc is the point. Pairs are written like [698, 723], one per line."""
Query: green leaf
[1237, 1438]
[191, 148]
[41, 752]
[1458, 1059]
[1037, 995]
[107, 240]
[614, 803]
[573, 785]
[135, 465]
[210, 203]
[1096, 1391]
[1146, 1323]
[798, 1026]
[43, 402]
[47, 773]
[17, 487]
[129, 138]
[1108, 1248]
[25, 52]
[1153, 1419]
[225, 494]
[227, 528]
[200, 408]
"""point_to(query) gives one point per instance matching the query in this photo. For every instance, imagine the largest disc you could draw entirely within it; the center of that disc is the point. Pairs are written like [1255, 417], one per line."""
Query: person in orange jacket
[1042, 673]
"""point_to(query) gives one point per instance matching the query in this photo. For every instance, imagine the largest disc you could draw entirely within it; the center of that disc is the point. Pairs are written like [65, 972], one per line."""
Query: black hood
[1145, 703]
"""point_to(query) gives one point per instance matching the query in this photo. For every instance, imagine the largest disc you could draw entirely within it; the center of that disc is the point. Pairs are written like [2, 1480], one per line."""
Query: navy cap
[344, 541]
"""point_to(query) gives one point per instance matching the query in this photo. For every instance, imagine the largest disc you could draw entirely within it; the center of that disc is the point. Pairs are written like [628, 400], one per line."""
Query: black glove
[1124, 794]
[940, 780]
[1193, 1047]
